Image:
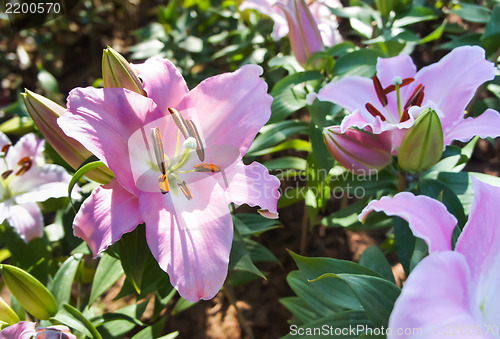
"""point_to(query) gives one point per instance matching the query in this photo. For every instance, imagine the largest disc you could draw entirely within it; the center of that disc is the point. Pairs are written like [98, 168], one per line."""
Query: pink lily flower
[177, 157]
[449, 291]
[26, 179]
[396, 95]
[27, 330]
[326, 22]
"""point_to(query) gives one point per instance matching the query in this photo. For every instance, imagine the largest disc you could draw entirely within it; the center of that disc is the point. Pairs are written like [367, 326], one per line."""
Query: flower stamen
[179, 121]
[193, 132]
[25, 164]
[392, 88]
[373, 111]
[207, 168]
[380, 91]
[185, 190]
[6, 174]
[160, 156]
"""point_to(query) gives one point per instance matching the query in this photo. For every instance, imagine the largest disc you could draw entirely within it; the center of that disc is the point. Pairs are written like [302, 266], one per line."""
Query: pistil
[396, 82]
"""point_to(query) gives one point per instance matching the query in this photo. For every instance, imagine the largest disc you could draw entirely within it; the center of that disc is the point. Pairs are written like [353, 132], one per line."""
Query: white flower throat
[23, 165]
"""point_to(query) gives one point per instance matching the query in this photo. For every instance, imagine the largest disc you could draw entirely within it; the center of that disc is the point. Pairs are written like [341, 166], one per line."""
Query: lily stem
[402, 181]
[305, 229]
[228, 292]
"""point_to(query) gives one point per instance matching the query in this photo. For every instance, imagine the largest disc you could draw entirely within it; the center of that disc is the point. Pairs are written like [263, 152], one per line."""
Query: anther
[405, 116]
[185, 190]
[380, 91]
[193, 131]
[25, 164]
[6, 174]
[179, 121]
[392, 88]
[373, 111]
[5, 149]
[159, 155]
[207, 168]
[415, 97]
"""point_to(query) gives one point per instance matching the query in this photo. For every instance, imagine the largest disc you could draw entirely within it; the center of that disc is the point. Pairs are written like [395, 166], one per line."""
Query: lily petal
[253, 185]
[427, 218]
[435, 298]
[162, 82]
[106, 135]
[227, 104]
[400, 66]
[106, 215]
[452, 82]
[26, 219]
[347, 93]
[21, 330]
[480, 244]
[28, 146]
[485, 125]
[190, 239]
[40, 183]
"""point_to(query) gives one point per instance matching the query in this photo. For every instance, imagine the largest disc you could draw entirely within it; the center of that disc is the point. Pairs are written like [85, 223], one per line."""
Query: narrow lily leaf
[377, 295]
[63, 280]
[81, 318]
[181, 305]
[253, 224]
[30, 293]
[239, 259]
[300, 309]
[133, 255]
[107, 273]
[84, 168]
[374, 259]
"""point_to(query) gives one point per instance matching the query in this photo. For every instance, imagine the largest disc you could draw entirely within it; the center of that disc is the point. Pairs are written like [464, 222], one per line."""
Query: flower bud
[31, 294]
[423, 145]
[44, 113]
[357, 150]
[304, 35]
[7, 314]
[116, 72]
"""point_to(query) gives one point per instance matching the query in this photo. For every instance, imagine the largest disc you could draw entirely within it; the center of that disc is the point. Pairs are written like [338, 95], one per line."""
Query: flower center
[415, 99]
[170, 169]
[22, 167]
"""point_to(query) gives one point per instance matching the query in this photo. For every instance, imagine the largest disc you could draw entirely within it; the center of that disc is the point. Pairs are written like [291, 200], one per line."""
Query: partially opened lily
[26, 179]
[395, 96]
[326, 22]
[449, 291]
[177, 157]
[28, 330]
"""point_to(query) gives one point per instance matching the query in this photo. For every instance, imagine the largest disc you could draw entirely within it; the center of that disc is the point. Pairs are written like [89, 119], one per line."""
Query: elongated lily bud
[44, 113]
[358, 151]
[7, 314]
[31, 294]
[422, 146]
[116, 72]
[304, 35]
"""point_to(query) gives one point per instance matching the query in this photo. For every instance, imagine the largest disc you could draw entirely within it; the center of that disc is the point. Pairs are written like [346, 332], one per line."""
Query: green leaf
[286, 162]
[119, 327]
[377, 295]
[287, 102]
[315, 301]
[417, 14]
[298, 145]
[48, 81]
[62, 283]
[253, 224]
[435, 34]
[374, 259]
[239, 259]
[182, 305]
[107, 273]
[493, 25]
[81, 318]
[300, 309]
[472, 13]
[133, 255]
[274, 134]
[84, 168]
[259, 252]
[295, 79]
[335, 292]
[364, 58]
